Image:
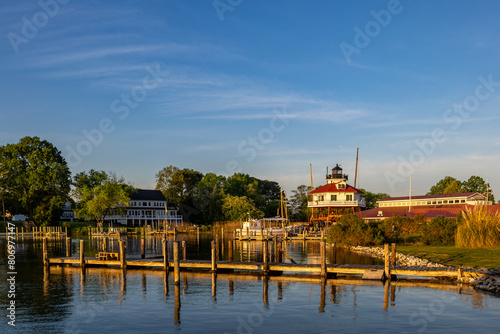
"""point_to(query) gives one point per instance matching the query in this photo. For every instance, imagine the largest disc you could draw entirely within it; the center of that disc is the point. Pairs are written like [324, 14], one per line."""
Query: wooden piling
[143, 248]
[393, 254]
[322, 246]
[265, 256]
[334, 253]
[230, 250]
[459, 274]
[82, 254]
[45, 252]
[123, 262]
[279, 255]
[387, 262]
[165, 254]
[177, 277]
[184, 250]
[68, 247]
[214, 259]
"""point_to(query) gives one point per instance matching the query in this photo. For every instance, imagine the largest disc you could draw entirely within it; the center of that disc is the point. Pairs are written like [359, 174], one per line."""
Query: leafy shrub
[440, 231]
[401, 227]
[351, 230]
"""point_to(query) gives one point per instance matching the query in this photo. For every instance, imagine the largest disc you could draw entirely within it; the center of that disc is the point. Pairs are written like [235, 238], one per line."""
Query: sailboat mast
[356, 169]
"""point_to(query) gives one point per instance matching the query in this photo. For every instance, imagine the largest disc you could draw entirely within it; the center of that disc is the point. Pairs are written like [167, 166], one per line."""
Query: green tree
[239, 207]
[89, 179]
[372, 198]
[477, 184]
[299, 203]
[454, 187]
[35, 178]
[109, 197]
[440, 187]
[208, 195]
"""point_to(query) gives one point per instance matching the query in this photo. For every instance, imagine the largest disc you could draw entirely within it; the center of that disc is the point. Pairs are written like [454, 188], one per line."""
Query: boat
[265, 227]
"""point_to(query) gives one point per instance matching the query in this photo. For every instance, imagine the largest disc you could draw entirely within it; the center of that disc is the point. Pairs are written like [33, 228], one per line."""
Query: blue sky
[259, 87]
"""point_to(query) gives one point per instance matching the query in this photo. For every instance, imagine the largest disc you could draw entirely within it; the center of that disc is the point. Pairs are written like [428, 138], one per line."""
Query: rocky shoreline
[490, 282]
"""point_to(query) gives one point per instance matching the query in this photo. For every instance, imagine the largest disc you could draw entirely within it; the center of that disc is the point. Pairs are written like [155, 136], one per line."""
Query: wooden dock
[266, 267]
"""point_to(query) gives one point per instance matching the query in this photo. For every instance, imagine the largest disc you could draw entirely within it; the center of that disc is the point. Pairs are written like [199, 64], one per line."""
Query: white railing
[313, 204]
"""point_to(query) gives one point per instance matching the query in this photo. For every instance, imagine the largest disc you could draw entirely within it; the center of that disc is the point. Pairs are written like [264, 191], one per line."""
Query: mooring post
[214, 255]
[123, 262]
[165, 254]
[387, 262]
[322, 246]
[265, 255]
[105, 244]
[177, 276]
[459, 274]
[279, 256]
[334, 255]
[68, 247]
[393, 254]
[184, 250]
[45, 252]
[230, 250]
[143, 248]
[82, 254]
[275, 246]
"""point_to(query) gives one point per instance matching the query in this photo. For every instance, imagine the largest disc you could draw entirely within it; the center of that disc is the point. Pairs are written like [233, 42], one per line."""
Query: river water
[67, 300]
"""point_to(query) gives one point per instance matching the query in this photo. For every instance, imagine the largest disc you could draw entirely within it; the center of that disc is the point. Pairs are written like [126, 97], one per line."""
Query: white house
[148, 207]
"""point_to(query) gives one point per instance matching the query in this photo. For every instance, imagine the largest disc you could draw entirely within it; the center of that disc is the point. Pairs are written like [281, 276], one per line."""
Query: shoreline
[488, 283]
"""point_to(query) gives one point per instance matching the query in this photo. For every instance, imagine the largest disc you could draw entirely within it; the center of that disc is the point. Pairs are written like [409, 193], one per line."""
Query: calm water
[65, 300]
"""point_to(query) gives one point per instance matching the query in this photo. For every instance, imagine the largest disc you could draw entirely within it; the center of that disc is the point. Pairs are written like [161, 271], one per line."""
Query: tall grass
[478, 228]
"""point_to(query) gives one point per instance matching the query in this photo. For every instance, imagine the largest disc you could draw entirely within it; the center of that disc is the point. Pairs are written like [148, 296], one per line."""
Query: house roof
[429, 196]
[147, 195]
[449, 211]
[332, 188]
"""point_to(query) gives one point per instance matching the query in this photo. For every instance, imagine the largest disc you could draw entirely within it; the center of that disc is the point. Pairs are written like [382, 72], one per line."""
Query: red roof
[332, 188]
[428, 196]
[428, 211]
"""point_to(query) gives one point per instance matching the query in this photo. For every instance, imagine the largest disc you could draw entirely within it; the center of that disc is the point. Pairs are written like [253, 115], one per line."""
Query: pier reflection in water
[71, 300]
[275, 291]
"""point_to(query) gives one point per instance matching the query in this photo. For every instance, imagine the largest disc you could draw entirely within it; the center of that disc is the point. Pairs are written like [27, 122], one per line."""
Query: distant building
[431, 206]
[334, 199]
[147, 207]
[67, 212]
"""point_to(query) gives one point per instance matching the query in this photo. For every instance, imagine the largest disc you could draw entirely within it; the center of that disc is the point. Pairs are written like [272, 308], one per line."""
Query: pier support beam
[184, 250]
[177, 276]
[322, 247]
[143, 248]
[82, 254]
[68, 247]
[214, 256]
[230, 250]
[265, 257]
[123, 262]
[387, 262]
[165, 254]
[393, 255]
[45, 252]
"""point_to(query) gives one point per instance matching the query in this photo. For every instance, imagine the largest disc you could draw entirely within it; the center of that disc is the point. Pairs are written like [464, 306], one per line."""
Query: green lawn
[454, 256]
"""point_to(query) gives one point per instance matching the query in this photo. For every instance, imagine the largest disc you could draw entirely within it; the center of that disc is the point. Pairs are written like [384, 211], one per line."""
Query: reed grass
[478, 228]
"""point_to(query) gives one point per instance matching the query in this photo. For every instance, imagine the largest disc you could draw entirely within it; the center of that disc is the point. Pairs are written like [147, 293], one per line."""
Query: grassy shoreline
[455, 256]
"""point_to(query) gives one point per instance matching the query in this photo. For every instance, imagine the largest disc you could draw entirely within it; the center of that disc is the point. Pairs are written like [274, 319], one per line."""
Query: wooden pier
[177, 262]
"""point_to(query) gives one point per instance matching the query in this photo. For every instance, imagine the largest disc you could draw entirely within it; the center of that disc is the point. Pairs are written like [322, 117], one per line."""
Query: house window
[333, 197]
[348, 197]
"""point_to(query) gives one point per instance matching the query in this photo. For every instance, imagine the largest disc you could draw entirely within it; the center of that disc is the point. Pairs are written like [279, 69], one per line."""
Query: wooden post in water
[387, 262]
[279, 256]
[82, 254]
[230, 250]
[184, 250]
[105, 244]
[459, 274]
[214, 259]
[143, 248]
[265, 256]
[177, 275]
[68, 247]
[165, 254]
[393, 254]
[334, 253]
[45, 252]
[322, 246]
[123, 262]
[275, 246]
